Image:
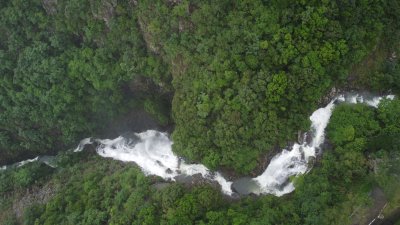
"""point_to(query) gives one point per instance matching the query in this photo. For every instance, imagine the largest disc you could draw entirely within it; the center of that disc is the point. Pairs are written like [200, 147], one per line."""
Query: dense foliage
[64, 71]
[334, 191]
[245, 75]
[250, 72]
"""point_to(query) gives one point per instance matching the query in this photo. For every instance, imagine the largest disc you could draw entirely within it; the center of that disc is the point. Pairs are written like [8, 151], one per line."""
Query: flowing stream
[46, 159]
[152, 152]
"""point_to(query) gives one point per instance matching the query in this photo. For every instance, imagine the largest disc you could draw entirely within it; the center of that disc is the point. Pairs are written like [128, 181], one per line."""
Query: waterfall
[288, 163]
[152, 152]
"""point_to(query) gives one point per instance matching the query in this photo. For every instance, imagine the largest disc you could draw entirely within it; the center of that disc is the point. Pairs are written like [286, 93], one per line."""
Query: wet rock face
[90, 148]
[328, 97]
[196, 180]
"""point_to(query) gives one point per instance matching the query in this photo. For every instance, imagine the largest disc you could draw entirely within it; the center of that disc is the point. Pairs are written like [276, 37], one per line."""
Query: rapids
[152, 151]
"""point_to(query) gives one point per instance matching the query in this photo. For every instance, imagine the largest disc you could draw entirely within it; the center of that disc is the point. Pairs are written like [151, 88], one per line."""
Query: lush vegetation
[248, 74]
[245, 76]
[65, 67]
[101, 191]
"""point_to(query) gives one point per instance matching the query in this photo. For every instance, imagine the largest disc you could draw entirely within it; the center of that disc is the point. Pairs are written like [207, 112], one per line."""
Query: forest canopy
[255, 70]
[234, 80]
[245, 75]
[336, 191]
[65, 71]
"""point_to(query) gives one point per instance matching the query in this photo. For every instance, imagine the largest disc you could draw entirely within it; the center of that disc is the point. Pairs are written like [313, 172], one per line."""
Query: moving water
[152, 152]
[48, 160]
[275, 179]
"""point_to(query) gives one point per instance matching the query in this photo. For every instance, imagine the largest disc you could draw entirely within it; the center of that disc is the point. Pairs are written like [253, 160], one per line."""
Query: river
[152, 151]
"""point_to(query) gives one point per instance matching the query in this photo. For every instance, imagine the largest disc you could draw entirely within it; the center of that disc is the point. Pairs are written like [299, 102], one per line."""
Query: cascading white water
[274, 180]
[292, 162]
[152, 152]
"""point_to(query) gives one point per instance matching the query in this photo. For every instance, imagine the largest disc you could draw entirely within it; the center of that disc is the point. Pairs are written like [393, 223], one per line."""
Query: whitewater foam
[152, 152]
[294, 162]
